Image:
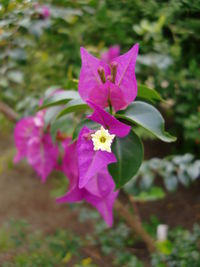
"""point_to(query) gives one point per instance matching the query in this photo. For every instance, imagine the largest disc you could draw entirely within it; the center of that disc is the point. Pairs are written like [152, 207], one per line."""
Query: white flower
[102, 140]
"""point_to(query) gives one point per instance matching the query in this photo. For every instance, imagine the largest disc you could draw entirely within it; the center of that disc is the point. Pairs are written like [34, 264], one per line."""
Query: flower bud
[113, 66]
[101, 73]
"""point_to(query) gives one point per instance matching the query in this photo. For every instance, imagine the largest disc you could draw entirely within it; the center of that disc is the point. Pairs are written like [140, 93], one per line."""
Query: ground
[22, 195]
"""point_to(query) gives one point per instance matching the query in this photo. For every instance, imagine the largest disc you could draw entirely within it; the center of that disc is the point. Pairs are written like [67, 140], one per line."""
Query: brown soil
[176, 209]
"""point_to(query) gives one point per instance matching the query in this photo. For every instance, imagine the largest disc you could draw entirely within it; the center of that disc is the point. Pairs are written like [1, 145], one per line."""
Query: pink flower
[31, 142]
[113, 52]
[34, 142]
[43, 11]
[42, 155]
[24, 129]
[90, 162]
[23, 132]
[106, 85]
[98, 190]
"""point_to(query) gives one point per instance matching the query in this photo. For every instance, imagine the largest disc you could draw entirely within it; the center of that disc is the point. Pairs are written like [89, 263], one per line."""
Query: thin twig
[8, 112]
[136, 225]
[135, 207]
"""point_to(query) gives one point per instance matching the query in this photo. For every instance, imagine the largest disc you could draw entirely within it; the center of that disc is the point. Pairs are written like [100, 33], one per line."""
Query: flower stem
[110, 109]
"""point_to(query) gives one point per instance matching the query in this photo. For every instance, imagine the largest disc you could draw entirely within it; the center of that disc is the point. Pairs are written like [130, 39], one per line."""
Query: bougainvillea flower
[34, 142]
[24, 130]
[99, 191]
[42, 155]
[37, 147]
[90, 162]
[108, 121]
[106, 85]
[113, 52]
[43, 11]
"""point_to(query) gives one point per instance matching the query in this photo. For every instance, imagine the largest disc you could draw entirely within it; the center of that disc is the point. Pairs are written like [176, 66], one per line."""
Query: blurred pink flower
[34, 143]
[110, 54]
[31, 142]
[43, 11]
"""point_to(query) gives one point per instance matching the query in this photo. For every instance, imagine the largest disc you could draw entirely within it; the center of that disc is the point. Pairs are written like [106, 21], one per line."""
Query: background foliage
[39, 52]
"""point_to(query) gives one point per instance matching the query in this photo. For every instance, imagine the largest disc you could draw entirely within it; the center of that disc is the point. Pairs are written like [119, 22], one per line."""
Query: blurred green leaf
[165, 247]
[148, 94]
[84, 122]
[63, 125]
[73, 106]
[155, 193]
[59, 98]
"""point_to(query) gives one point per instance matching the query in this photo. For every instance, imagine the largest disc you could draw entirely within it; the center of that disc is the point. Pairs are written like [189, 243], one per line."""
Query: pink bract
[45, 11]
[24, 130]
[42, 155]
[36, 146]
[90, 162]
[33, 143]
[108, 121]
[113, 84]
[99, 191]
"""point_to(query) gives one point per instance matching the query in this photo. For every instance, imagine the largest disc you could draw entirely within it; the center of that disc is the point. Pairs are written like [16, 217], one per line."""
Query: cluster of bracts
[107, 85]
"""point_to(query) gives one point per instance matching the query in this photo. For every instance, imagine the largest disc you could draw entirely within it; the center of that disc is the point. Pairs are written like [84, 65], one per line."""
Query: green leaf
[148, 93]
[16, 76]
[155, 193]
[63, 124]
[59, 99]
[51, 90]
[51, 114]
[148, 117]
[165, 247]
[129, 154]
[73, 106]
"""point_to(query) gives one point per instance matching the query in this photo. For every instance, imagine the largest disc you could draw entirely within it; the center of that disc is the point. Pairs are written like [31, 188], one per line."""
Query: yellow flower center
[102, 140]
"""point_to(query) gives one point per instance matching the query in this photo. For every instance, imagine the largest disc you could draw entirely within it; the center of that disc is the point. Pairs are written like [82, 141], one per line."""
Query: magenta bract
[33, 143]
[45, 11]
[42, 155]
[98, 191]
[113, 84]
[36, 146]
[108, 121]
[24, 129]
[90, 162]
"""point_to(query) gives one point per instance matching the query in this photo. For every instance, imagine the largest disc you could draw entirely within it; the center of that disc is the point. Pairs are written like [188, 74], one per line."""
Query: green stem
[110, 108]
